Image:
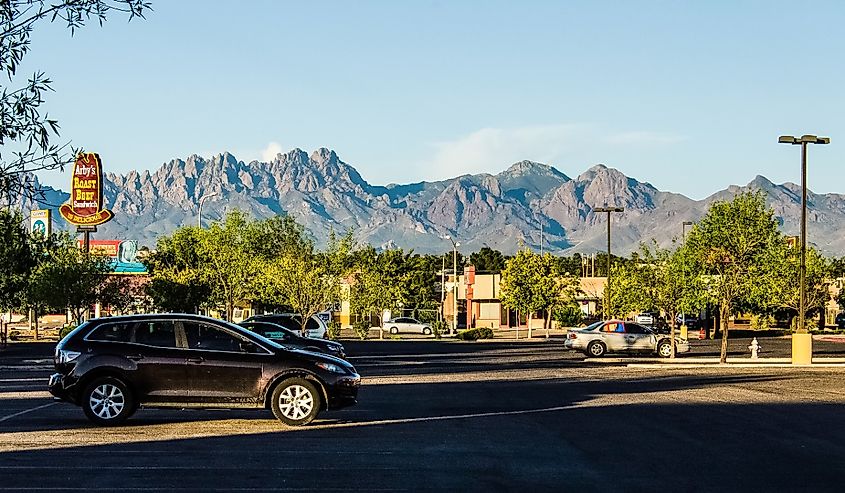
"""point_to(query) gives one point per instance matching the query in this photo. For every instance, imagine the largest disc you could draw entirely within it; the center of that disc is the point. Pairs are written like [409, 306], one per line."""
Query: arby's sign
[85, 207]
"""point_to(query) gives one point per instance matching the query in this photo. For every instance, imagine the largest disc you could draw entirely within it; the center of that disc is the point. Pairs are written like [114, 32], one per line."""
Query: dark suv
[110, 366]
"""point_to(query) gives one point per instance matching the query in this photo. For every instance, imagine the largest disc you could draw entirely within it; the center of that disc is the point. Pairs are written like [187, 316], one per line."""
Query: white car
[407, 325]
[618, 336]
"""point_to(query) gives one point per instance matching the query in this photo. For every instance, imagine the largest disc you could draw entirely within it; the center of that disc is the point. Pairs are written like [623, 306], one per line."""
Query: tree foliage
[26, 133]
[731, 245]
[487, 260]
[532, 283]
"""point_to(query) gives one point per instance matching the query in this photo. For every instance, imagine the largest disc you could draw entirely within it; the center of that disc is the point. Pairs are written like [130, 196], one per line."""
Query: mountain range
[502, 211]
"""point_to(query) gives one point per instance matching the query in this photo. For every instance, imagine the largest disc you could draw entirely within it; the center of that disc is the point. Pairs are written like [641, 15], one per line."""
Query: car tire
[295, 402]
[394, 330]
[664, 349]
[107, 401]
[427, 331]
[596, 349]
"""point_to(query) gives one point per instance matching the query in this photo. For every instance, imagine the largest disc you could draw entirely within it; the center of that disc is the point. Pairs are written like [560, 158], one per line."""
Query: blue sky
[689, 96]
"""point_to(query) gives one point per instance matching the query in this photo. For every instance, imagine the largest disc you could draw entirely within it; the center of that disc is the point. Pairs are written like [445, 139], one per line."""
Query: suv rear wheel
[296, 402]
[107, 401]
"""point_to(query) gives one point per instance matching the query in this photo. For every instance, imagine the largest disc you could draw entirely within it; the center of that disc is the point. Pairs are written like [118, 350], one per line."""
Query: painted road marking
[6, 418]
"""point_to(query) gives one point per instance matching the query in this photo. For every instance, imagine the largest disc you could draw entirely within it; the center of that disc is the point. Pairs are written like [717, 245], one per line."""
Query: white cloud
[490, 150]
[270, 152]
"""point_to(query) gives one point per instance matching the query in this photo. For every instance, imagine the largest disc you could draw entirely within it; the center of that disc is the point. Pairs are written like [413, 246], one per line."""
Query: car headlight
[331, 367]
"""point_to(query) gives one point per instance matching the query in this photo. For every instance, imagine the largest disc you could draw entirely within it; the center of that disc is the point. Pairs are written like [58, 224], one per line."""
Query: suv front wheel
[107, 401]
[296, 402]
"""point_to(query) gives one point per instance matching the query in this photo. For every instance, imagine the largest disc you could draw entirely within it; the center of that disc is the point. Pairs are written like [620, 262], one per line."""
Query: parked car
[407, 324]
[315, 328]
[292, 338]
[618, 336]
[110, 366]
[690, 320]
[840, 321]
[650, 319]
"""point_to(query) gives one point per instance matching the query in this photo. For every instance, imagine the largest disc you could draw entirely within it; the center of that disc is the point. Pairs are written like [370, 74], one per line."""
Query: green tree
[658, 279]
[532, 283]
[177, 282]
[16, 259]
[731, 244]
[228, 265]
[70, 279]
[782, 287]
[377, 282]
[487, 260]
[307, 282]
[26, 134]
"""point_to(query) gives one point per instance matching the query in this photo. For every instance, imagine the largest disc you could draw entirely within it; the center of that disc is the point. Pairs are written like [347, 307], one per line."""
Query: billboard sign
[85, 207]
[39, 222]
[123, 254]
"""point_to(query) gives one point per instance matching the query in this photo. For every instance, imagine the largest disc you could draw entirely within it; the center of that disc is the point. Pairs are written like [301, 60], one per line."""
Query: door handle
[135, 357]
[196, 360]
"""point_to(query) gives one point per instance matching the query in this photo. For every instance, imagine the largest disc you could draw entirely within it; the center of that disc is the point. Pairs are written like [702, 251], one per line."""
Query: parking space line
[6, 418]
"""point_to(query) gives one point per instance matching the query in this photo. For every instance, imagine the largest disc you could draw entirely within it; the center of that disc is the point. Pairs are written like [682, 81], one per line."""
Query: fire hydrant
[755, 348]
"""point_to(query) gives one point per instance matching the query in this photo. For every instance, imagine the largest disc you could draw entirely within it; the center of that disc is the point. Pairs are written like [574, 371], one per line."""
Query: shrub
[67, 329]
[437, 328]
[361, 328]
[569, 316]
[475, 334]
[762, 322]
[333, 332]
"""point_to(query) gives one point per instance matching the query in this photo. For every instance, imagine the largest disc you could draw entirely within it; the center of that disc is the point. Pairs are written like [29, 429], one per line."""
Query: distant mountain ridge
[502, 211]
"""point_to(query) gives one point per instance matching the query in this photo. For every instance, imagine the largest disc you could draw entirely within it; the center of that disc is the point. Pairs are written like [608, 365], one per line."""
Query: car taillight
[66, 356]
[572, 335]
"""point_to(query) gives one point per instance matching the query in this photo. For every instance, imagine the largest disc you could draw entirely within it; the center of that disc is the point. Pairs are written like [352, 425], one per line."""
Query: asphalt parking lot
[437, 416]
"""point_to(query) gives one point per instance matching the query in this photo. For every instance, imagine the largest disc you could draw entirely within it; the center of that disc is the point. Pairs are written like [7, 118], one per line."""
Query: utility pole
[455, 246]
[202, 199]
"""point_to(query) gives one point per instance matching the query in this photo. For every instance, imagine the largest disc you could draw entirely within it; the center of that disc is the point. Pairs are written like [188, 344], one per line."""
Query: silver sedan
[620, 336]
[407, 324]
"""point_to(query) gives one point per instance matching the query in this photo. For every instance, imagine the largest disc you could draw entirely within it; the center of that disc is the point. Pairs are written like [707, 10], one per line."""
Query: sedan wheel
[394, 330]
[427, 331]
[664, 350]
[596, 349]
[107, 401]
[296, 402]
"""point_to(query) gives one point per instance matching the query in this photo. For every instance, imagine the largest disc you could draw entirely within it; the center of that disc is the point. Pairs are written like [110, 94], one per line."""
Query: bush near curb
[333, 331]
[362, 329]
[475, 334]
[437, 328]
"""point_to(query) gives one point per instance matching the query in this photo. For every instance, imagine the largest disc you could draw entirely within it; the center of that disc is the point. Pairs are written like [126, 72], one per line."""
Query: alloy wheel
[296, 402]
[107, 401]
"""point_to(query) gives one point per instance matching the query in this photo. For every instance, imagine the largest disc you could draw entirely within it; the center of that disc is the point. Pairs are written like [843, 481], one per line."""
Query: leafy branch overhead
[26, 133]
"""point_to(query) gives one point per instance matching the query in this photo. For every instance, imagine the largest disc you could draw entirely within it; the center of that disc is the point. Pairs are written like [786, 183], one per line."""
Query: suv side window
[119, 332]
[159, 333]
[210, 338]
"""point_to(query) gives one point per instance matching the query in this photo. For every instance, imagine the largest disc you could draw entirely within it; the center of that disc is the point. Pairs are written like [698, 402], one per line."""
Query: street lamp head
[457, 244]
[804, 139]
[688, 223]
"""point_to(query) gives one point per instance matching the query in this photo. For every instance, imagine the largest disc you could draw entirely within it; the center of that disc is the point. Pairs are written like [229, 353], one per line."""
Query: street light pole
[455, 246]
[608, 210]
[802, 342]
[199, 215]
